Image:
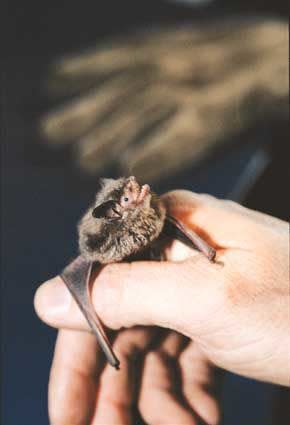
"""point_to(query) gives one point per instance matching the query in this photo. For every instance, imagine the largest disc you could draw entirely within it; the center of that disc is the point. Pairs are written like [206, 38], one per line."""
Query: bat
[127, 219]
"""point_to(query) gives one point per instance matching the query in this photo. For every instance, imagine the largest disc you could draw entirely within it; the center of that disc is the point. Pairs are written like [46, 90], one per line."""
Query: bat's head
[125, 218]
[118, 199]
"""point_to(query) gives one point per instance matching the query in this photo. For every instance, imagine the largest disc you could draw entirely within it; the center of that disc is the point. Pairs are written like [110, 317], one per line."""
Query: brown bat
[126, 220]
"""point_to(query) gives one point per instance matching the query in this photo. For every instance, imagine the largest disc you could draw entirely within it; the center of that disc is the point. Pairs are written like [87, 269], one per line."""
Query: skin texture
[233, 314]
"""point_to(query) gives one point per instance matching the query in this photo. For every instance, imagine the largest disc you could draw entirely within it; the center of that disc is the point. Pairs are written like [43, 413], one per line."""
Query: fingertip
[52, 301]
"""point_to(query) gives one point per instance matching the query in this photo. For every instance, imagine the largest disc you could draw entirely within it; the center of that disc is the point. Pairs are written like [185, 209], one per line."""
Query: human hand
[163, 374]
[236, 311]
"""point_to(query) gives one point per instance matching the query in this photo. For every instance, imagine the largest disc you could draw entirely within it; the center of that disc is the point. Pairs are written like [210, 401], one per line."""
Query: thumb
[176, 295]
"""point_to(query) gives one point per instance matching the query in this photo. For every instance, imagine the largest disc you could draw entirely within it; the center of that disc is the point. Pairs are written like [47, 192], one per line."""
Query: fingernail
[52, 299]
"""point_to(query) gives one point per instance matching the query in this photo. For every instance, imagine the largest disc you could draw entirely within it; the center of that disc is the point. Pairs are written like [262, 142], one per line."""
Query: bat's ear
[102, 210]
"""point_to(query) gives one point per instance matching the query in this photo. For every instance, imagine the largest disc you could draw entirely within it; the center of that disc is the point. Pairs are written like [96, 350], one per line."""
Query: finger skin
[159, 403]
[161, 385]
[118, 390]
[73, 378]
[199, 381]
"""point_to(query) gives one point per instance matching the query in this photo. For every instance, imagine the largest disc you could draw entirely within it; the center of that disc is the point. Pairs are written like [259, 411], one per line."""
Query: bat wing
[77, 276]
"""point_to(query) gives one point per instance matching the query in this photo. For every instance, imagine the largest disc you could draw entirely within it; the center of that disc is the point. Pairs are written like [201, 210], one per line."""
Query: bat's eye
[126, 201]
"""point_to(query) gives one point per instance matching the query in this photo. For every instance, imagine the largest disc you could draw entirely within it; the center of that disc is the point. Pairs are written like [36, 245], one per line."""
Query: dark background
[43, 194]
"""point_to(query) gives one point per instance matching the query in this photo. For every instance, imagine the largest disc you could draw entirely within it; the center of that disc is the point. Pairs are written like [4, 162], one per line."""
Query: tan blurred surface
[168, 97]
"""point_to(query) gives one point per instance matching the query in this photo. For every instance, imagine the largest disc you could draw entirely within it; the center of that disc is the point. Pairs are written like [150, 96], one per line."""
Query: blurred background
[190, 94]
